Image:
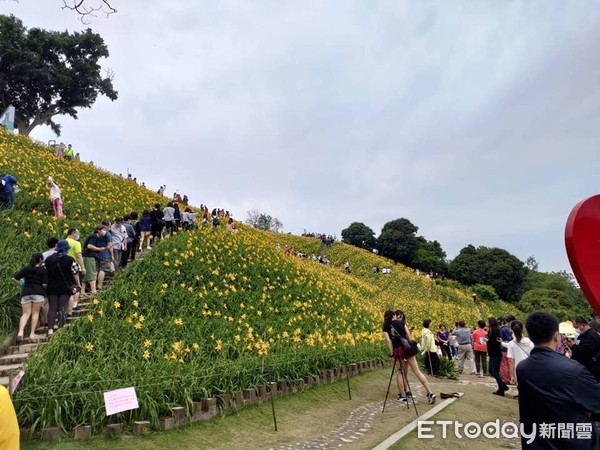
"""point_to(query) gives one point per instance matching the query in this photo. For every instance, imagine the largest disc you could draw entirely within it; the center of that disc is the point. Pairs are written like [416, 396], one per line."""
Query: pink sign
[120, 400]
[16, 380]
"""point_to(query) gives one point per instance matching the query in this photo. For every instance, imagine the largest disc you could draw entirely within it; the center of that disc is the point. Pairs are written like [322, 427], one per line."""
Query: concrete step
[4, 381]
[28, 348]
[15, 358]
[5, 369]
[80, 312]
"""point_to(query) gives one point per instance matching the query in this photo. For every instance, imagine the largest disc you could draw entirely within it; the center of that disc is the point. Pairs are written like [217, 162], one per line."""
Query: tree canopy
[430, 256]
[359, 235]
[398, 241]
[45, 74]
[493, 266]
[264, 221]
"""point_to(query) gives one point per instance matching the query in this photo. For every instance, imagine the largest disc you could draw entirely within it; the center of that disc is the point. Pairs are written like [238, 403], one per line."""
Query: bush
[485, 293]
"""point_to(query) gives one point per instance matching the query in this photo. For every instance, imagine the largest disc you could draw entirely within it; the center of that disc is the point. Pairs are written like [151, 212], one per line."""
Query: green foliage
[430, 256]
[48, 73]
[556, 290]
[398, 241]
[448, 368]
[359, 235]
[485, 292]
[555, 301]
[493, 266]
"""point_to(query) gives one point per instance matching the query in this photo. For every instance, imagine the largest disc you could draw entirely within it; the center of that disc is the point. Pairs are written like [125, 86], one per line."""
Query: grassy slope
[205, 313]
[90, 195]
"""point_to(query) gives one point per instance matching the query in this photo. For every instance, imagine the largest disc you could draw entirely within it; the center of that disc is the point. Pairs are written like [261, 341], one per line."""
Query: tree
[571, 298]
[45, 74]
[493, 266]
[531, 263]
[430, 256]
[359, 235]
[264, 221]
[398, 241]
[87, 8]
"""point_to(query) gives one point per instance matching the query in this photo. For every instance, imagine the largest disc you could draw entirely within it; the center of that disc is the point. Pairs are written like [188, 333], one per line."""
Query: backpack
[215, 221]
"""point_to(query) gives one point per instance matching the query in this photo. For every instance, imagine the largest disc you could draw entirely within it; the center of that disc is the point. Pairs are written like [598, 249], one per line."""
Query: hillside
[204, 313]
[90, 195]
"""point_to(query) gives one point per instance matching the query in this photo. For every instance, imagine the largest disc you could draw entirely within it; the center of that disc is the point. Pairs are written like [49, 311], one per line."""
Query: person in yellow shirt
[75, 252]
[9, 427]
[432, 362]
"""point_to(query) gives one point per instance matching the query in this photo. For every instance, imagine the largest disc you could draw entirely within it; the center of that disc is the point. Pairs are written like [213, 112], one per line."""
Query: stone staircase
[18, 353]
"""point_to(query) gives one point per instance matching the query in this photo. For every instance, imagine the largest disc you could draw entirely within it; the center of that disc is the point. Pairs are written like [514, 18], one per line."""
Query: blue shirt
[9, 182]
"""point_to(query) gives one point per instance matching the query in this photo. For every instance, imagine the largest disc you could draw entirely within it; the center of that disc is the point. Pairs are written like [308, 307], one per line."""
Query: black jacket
[588, 347]
[556, 390]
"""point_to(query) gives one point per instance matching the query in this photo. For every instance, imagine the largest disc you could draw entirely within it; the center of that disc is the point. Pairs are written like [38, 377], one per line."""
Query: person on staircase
[134, 221]
[62, 275]
[145, 231]
[130, 239]
[100, 246]
[169, 218]
[158, 223]
[119, 241]
[89, 263]
[76, 253]
[34, 280]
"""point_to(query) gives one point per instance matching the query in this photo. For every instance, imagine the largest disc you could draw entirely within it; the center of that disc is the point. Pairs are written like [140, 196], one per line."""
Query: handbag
[73, 288]
[409, 348]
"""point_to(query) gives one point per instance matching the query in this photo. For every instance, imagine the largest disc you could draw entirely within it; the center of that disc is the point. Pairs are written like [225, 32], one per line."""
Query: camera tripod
[404, 376]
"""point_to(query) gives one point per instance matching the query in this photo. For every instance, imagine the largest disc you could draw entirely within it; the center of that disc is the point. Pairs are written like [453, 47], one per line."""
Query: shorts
[90, 269]
[32, 299]
[105, 265]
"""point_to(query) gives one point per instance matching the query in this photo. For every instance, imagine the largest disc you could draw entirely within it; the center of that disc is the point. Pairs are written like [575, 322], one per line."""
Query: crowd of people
[558, 378]
[54, 281]
[327, 239]
[66, 152]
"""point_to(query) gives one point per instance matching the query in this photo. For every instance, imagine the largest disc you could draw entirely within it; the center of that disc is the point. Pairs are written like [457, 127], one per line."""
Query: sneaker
[500, 393]
[402, 400]
[431, 398]
[409, 395]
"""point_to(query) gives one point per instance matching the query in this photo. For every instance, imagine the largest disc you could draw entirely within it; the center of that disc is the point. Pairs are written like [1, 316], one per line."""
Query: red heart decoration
[582, 239]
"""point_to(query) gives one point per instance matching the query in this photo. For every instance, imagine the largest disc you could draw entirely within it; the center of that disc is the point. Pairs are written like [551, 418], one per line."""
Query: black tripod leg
[389, 385]
[405, 378]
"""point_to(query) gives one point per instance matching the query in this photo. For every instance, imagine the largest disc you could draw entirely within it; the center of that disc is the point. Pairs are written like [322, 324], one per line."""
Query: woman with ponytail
[518, 349]
[396, 333]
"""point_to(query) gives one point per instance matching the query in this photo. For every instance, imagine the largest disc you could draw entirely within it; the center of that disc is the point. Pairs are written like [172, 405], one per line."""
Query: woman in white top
[518, 349]
[55, 198]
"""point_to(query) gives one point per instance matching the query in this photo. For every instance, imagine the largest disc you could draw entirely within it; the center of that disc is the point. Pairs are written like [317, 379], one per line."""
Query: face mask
[77, 236]
[102, 232]
[17, 190]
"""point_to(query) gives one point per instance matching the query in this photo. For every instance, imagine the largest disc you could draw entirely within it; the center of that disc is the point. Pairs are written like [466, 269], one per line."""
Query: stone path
[356, 425]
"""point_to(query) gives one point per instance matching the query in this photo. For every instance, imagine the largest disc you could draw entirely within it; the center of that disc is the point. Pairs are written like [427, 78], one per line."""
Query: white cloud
[476, 121]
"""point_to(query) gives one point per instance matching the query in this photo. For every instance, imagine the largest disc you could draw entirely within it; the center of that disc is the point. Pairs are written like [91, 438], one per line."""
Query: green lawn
[308, 415]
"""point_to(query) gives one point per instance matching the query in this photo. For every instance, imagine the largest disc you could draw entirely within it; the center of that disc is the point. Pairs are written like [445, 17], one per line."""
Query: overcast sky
[478, 121]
